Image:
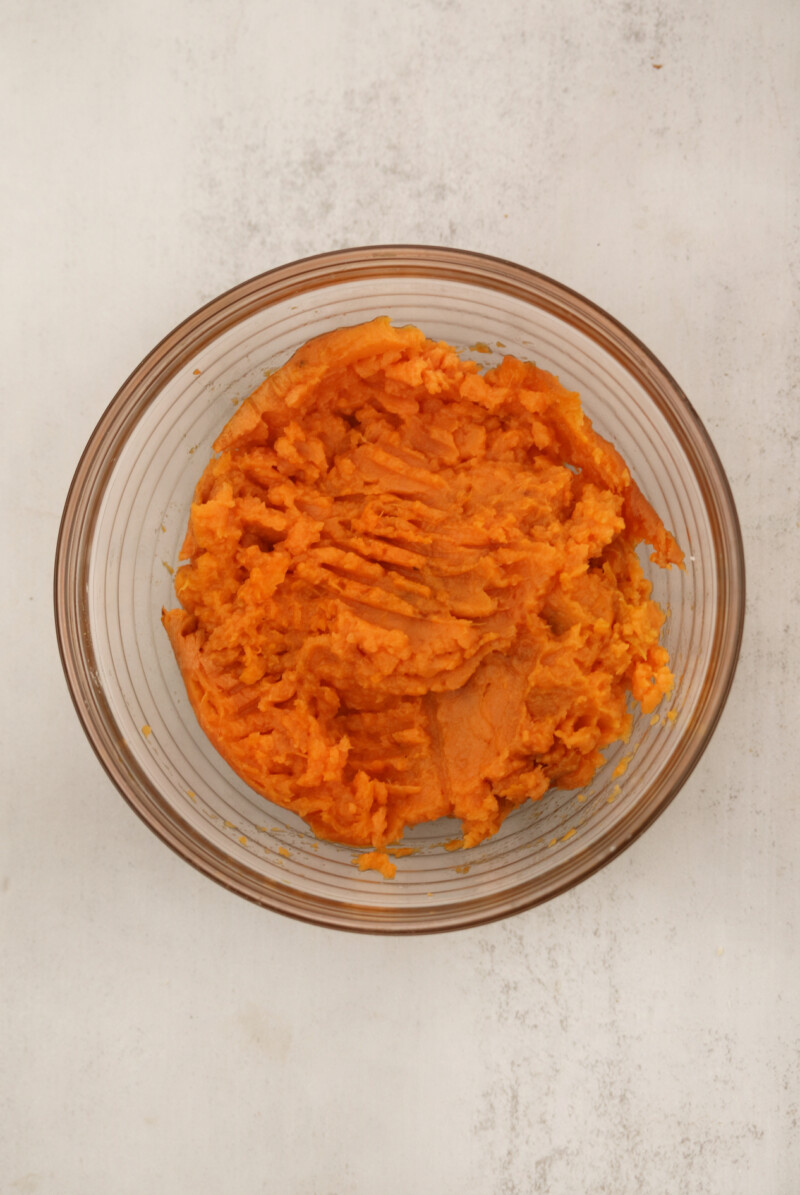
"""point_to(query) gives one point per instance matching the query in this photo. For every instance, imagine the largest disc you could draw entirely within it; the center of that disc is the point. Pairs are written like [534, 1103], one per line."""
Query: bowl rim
[312, 273]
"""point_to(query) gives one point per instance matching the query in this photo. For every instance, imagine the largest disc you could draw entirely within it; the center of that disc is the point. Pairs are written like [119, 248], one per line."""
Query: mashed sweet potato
[412, 590]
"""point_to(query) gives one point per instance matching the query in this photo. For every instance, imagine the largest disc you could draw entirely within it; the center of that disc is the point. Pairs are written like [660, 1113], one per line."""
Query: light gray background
[639, 1034]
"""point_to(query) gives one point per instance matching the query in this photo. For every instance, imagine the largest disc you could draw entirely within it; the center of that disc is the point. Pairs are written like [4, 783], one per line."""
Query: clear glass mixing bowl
[125, 519]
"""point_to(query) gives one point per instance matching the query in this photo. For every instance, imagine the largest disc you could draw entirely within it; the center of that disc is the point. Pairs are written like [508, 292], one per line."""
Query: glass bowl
[124, 523]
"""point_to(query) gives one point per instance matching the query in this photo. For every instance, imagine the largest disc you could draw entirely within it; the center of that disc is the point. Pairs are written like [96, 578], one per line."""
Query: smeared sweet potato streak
[412, 591]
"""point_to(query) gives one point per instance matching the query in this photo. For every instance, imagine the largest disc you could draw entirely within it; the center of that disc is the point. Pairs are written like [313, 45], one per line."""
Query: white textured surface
[640, 1034]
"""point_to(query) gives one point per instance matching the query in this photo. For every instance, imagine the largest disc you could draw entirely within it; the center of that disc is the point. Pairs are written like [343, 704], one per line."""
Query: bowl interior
[126, 519]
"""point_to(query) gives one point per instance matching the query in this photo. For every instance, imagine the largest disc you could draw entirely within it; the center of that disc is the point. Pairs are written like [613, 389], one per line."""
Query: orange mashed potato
[412, 590]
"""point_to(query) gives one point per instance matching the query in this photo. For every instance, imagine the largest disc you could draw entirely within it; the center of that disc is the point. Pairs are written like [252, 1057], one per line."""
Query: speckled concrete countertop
[640, 1034]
